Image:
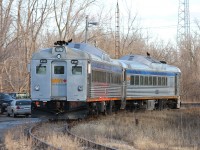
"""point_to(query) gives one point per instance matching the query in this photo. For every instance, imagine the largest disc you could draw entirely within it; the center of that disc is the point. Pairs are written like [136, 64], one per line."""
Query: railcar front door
[59, 79]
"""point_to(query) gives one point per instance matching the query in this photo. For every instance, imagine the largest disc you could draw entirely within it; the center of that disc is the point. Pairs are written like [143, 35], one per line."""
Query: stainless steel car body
[69, 86]
[72, 73]
[145, 67]
[59, 86]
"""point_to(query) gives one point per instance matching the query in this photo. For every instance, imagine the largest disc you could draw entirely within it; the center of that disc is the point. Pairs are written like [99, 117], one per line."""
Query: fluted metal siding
[110, 90]
[138, 91]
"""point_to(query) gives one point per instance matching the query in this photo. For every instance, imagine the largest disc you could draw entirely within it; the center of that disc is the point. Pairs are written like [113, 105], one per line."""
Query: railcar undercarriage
[152, 104]
[78, 110]
[59, 109]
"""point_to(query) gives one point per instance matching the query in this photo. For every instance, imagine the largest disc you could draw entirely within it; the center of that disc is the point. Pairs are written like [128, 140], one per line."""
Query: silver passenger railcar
[150, 83]
[77, 77]
[73, 76]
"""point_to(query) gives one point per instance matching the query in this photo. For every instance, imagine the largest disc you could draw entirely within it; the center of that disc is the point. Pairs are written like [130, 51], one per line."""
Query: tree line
[29, 25]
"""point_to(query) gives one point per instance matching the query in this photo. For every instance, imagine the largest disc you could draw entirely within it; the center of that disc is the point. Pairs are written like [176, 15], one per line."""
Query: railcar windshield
[41, 69]
[59, 70]
[76, 70]
[23, 102]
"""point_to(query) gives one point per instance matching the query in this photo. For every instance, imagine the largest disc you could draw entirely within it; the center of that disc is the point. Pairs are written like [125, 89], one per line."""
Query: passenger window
[150, 80]
[137, 80]
[108, 78]
[59, 70]
[76, 70]
[159, 81]
[154, 80]
[132, 80]
[163, 81]
[141, 80]
[146, 80]
[40, 69]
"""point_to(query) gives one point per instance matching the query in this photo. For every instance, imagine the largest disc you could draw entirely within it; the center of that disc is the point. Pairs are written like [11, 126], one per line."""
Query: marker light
[80, 88]
[37, 87]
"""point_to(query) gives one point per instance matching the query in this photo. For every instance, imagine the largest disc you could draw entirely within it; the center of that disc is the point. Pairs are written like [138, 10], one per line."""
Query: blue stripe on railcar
[142, 72]
[103, 66]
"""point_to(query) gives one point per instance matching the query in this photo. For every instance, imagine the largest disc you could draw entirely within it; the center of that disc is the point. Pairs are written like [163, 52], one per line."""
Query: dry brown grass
[172, 130]
[166, 129]
[16, 140]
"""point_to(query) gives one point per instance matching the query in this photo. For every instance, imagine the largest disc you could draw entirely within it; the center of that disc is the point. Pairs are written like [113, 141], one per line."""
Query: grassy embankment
[168, 129]
[16, 140]
[178, 129]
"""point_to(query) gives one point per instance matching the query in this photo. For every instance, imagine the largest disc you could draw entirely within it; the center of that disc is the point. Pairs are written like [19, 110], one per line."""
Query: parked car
[19, 107]
[5, 100]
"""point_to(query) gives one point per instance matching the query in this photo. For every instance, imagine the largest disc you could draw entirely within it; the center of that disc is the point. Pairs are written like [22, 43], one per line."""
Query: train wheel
[93, 109]
[105, 113]
[109, 107]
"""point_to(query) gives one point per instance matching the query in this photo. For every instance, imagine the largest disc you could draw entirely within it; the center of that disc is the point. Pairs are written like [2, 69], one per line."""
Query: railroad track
[190, 105]
[37, 141]
[40, 143]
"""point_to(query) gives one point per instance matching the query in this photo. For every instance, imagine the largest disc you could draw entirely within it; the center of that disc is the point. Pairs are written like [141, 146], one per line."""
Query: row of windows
[148, 80]
[76, 70]
[57, 70]
[106, 77]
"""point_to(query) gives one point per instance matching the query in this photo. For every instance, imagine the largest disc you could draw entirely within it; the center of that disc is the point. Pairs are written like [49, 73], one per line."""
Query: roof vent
[77, 46]
[131, 58]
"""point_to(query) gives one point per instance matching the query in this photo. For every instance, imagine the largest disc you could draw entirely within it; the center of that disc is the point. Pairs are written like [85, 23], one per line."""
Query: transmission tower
[117, 33]
[183, 28]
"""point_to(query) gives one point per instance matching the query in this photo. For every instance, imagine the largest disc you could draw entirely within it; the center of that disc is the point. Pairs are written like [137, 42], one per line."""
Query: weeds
[16, 140]
[146, 130]
[166, 129]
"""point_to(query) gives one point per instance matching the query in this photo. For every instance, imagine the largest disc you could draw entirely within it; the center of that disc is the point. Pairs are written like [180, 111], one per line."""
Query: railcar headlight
[37, 87]
[58, 56]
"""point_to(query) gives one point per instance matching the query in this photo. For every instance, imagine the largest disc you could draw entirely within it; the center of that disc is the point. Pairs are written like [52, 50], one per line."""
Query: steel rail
[41, 144]
[86, 142]
[38, 142]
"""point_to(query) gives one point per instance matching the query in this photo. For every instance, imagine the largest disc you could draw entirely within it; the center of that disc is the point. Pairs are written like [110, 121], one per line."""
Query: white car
[19, 107]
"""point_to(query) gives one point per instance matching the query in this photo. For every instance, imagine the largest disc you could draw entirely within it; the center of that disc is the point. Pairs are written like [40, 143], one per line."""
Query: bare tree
[69, 15]
[6, 35]
[19, 39]
[31, 16]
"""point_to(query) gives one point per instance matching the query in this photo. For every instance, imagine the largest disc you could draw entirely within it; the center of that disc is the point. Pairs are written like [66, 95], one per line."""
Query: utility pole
[87, 23]
[86, 28]
[117, 33]
[1, 82]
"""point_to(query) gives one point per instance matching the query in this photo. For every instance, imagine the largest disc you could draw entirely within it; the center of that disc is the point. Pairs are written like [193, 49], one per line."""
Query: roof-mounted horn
[62, 42]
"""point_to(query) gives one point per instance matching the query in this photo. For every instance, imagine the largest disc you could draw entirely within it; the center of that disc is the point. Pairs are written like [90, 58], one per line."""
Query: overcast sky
[157, 17]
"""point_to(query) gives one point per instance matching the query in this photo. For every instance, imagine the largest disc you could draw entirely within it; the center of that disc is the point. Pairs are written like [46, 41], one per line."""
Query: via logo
[156, 91]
